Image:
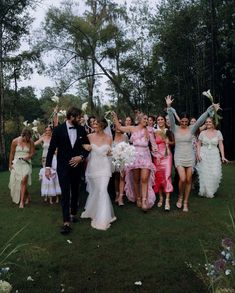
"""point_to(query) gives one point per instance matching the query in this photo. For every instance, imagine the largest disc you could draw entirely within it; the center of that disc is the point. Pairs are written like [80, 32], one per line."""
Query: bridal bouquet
[123, 155]
[217, 117]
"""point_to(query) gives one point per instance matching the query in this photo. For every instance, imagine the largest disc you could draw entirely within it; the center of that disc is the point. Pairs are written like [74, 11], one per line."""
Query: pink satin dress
[142, 160]
[163, 163]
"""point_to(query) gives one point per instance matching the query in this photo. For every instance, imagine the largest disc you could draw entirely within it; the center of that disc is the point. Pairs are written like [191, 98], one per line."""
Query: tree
[83, 41]
[14, 23]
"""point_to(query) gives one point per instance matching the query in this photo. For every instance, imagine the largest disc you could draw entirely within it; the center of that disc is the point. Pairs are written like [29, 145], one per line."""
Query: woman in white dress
[98, 172]
[209, 166]
[44, 140]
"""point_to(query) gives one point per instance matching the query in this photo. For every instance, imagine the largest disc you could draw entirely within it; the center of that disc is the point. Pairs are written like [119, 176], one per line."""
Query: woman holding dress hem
[22, 150]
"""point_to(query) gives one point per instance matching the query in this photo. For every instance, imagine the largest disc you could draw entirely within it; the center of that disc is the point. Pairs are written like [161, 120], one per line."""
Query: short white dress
[50, 187]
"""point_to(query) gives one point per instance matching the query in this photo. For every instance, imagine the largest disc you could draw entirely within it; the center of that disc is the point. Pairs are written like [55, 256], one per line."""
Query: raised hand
[114, 116]
[169, 100]
[216, 107]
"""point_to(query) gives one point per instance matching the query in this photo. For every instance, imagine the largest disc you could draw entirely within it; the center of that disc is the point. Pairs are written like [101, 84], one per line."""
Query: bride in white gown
[98, 172]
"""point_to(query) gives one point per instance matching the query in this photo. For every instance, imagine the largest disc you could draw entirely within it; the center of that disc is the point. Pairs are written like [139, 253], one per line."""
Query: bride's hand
[109, 153]
[87, 147]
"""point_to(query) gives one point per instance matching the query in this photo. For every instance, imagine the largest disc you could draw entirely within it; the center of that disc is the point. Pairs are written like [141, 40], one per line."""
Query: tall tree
[14, 23]
[83, 39]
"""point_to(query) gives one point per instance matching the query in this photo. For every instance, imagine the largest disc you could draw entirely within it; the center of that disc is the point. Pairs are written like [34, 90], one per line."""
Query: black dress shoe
[73, 219]
[66, 229]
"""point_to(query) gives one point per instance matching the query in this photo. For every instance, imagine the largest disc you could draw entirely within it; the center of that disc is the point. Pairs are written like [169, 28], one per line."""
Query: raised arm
[202, 118]
[170, 112]
[39, 141]
[119, 126]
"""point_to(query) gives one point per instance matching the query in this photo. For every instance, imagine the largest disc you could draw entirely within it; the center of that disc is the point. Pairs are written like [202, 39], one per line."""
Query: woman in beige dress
[22, 150]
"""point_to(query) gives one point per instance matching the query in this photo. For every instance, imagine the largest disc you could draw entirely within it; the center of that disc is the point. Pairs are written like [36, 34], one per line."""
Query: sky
[39, 82]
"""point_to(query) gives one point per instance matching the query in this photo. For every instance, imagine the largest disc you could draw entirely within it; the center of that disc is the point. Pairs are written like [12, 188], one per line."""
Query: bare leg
[121, 189]
[23, 190]
[136, 177]
[188, 185]
[27, 197]
[159, 204]
[117, 186]
[182, 181]
[167, 202]
[144, 187]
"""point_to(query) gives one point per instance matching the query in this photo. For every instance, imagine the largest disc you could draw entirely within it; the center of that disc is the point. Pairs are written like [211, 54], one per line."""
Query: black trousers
[70, 184]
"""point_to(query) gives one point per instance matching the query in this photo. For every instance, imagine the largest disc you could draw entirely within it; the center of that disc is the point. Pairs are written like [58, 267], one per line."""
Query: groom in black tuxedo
[68, 139]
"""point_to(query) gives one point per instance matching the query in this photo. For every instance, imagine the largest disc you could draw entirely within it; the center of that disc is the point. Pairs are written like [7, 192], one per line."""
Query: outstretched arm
[119, 126]
[170, 112]
[202, 118]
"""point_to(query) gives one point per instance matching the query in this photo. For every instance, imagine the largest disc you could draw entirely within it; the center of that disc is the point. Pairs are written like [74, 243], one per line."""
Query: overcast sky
[39, 82]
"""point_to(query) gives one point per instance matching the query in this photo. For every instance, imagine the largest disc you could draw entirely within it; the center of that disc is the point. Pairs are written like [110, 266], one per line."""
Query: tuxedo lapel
[65, 131]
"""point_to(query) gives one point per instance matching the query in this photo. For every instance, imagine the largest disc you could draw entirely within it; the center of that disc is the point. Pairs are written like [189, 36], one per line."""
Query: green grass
[151, 248]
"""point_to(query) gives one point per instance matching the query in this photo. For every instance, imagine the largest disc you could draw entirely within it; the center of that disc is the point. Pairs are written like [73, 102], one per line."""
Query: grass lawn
[151, 248]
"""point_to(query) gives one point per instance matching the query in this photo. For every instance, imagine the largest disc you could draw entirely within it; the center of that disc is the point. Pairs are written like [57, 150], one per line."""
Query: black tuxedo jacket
[60, 141]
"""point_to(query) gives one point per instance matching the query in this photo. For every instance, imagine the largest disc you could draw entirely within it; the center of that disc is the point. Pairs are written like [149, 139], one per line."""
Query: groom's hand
[75, 161]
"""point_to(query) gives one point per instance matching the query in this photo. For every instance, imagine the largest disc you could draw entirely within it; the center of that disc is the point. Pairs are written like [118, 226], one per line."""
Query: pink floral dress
[142, 160]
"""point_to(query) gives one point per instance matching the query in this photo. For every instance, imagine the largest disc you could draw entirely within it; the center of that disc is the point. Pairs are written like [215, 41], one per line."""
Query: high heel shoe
[185, 208]
[144, 205]
[159, 204]
[167, 205]
[120, 200]
[21, 206]
[27, 201]
[138, 202]
[179, 202]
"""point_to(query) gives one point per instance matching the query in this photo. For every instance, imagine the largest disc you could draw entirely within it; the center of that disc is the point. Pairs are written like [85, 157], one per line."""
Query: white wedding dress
[209, 168]
[98, 172]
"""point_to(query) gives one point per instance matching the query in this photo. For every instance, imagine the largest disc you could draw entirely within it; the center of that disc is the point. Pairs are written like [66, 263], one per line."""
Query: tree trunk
[3, 157]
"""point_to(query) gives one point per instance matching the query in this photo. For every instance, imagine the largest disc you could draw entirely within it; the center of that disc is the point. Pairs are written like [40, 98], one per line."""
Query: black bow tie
[72, 127]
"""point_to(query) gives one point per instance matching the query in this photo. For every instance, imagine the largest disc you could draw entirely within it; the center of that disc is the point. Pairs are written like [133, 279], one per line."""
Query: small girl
[50, 188]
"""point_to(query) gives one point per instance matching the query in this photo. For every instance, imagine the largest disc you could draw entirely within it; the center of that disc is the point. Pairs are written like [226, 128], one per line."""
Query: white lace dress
[98, 172]
[209, 168]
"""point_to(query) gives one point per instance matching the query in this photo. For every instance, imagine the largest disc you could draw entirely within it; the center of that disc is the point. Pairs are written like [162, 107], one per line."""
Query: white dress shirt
[72, 133]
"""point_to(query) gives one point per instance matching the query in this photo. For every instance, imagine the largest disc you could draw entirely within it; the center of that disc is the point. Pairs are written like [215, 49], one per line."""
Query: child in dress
[50, 188]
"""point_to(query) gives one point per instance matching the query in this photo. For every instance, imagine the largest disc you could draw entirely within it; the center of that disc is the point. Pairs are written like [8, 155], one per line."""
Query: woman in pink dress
[140, 174]
[163, 162]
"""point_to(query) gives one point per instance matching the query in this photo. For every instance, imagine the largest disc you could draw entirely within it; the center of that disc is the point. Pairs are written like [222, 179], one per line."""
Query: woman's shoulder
[17, 140]
[108, 139]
